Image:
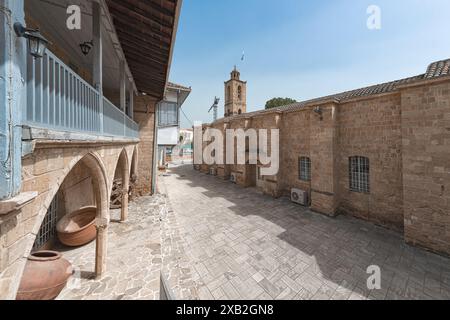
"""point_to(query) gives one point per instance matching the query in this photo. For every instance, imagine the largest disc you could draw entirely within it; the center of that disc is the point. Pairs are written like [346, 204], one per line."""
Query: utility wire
[187, 118]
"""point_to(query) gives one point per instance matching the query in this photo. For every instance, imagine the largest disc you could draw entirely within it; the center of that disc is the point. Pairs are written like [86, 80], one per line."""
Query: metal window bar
[305, 169]
[47, 232]
[58, 98]
[359, 171]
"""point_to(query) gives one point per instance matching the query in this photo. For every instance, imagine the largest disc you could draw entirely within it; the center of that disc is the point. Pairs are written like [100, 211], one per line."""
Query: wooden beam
[97, 71]
[146, 31]
[131, 106]
[97, 65]
[123, 87]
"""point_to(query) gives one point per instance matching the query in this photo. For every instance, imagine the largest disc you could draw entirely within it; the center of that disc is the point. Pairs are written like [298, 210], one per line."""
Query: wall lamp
[36, 41]
[86, 47]
[318, 110]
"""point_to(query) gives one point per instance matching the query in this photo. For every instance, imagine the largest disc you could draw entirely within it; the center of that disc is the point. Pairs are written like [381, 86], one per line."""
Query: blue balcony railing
[59, 99]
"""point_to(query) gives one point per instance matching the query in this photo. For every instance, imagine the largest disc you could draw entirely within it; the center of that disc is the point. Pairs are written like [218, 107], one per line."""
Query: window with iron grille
[48, 227]
[359, 171]
[304, 169]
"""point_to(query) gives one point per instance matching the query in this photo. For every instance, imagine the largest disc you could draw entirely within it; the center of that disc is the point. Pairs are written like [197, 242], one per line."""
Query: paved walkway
[244, 245]
[139, 251]
[133, 260]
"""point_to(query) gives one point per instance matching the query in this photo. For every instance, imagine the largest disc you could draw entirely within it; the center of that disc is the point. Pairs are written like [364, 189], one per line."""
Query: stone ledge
[16, 203]
[48, 137]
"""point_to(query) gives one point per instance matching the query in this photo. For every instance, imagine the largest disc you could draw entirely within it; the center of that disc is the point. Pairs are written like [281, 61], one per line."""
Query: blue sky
[302, 49]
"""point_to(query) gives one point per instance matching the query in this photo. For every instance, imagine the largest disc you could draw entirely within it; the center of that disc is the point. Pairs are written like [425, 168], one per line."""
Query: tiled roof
[438, 69]
[178, 86]
[435, 70]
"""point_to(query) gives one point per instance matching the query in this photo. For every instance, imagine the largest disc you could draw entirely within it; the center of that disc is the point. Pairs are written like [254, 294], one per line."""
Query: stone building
[76, 117]
[168, 126]
[380, 153]
[235, 95]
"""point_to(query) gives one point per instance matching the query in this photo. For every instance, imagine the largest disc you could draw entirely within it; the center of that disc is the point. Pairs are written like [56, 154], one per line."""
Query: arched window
[229, 93]
[240, 111]
[240, 93]
[304, 169]
[359, 174]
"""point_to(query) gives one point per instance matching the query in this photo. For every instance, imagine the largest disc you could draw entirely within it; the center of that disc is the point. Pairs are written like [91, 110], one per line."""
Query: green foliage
[278, 102]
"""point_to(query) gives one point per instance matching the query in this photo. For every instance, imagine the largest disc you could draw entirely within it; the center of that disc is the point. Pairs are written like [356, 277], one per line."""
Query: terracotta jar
[45, 276]
[78, 228]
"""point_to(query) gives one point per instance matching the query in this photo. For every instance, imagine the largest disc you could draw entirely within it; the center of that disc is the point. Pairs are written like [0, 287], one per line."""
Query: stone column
[323, 159]
[100, 250]
[226, 167]
[124, 210]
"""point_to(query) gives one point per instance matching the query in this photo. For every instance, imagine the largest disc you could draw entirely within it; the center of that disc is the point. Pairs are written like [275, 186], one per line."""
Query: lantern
[36, 41]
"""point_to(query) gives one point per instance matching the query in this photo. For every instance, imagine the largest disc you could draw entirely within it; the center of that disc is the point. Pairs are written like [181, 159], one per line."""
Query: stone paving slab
[133, 259]
[245, 245]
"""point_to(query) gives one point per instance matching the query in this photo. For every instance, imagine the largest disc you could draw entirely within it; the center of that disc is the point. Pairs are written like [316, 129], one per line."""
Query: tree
[278, 102]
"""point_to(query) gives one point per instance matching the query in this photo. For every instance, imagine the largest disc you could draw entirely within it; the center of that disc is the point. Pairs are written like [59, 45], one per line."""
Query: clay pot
[45, 276]
[78, 228]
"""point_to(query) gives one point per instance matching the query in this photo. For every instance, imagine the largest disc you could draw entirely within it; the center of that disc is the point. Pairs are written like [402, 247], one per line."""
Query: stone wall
[77, 190]
[296, 133]
[426, 165]
[144, 115]
[270, 185]
[223, 170]
[406, 136]
[372, 128]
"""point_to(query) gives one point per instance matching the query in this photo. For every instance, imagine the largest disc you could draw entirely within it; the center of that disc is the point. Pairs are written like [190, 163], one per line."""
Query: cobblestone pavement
[133, 259]
[244, 245]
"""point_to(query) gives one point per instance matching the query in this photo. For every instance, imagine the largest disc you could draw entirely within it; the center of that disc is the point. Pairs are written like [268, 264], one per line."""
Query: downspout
[155, 151]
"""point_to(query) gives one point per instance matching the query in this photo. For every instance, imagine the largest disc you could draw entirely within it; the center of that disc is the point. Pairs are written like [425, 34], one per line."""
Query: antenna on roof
[215, 107]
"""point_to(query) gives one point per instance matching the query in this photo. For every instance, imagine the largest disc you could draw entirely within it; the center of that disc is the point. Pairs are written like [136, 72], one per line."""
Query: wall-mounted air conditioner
[300, 197]
[233, 177]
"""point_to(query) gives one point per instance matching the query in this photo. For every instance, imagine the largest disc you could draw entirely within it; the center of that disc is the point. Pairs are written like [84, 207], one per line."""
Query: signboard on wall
[168, 136]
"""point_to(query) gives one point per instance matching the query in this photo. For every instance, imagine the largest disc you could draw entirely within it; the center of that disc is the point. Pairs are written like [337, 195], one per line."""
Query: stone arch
[100, 187]
[123, 169]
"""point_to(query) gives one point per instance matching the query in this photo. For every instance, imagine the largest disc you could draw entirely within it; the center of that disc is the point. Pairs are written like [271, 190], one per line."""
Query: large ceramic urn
[45, 276]
[78, 228]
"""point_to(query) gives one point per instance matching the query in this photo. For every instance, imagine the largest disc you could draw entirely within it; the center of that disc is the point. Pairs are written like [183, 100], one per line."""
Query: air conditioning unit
[300, 197]
[213, 171]
[233, 177]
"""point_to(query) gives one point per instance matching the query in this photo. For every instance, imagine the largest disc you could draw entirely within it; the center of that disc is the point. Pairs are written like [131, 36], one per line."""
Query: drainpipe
[13, 54]
[155, 150]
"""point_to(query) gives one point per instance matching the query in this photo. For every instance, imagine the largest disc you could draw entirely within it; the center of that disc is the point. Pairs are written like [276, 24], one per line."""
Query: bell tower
[235, 95]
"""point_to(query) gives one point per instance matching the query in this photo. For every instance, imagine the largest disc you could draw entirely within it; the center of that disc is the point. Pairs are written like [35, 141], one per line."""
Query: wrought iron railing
[58, 98]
